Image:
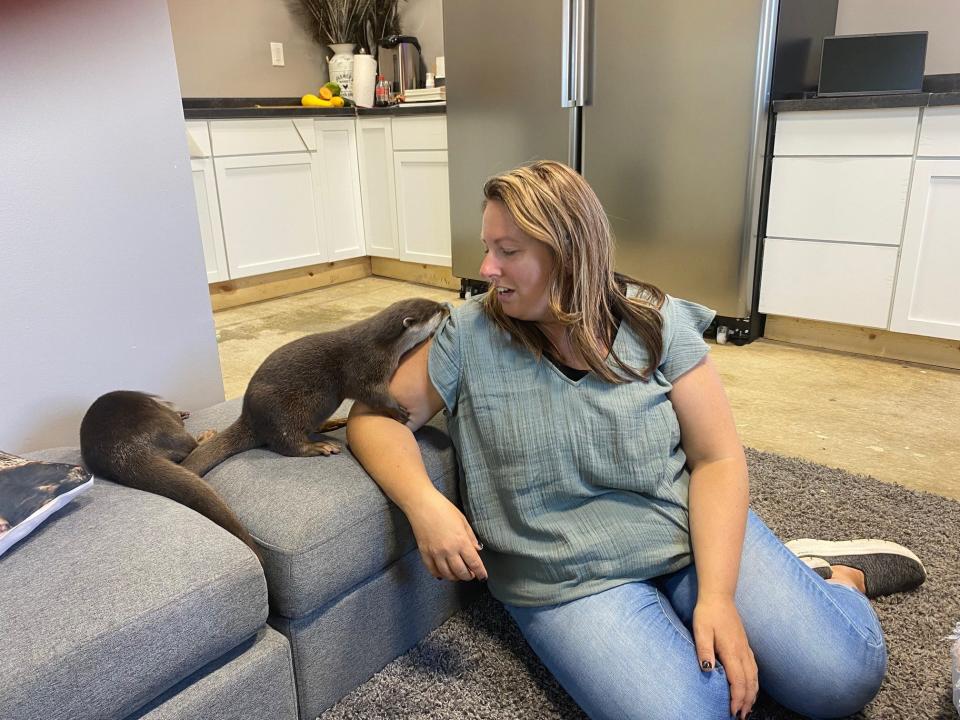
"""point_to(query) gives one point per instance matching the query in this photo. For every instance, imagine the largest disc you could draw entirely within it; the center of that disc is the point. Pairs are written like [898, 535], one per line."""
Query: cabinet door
[849, 199]
[339, 205]
[208, 211]
[268, 203]
[927, 299]
[836, 282]
[423, 206]
[375, 152]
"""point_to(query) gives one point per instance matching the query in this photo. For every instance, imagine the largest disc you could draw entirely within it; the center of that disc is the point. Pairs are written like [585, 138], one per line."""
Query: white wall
[941, 18]
[101, 270]
[223, 46]
[223, 49]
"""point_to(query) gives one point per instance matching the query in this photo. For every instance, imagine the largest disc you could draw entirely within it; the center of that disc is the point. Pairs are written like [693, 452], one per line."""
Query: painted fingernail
[706, 665]
[479, 546]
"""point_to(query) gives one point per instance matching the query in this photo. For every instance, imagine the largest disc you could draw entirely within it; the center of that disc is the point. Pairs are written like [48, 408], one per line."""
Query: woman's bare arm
[389, 452]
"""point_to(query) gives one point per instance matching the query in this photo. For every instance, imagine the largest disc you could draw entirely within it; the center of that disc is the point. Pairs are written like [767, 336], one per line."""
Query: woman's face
[516, 265]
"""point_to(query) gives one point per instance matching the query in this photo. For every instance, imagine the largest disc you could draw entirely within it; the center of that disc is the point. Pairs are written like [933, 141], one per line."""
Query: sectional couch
[127, 605]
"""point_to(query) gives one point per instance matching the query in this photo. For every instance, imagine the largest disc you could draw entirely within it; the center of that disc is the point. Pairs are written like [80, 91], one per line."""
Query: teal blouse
[573, 487]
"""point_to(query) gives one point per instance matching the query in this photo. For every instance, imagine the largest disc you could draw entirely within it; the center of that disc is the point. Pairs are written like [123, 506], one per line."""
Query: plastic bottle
[382, 93]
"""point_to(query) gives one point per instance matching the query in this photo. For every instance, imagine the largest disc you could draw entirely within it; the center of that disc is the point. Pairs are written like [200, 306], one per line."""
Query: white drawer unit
[835, 282]
[837, 198]
[928, 282]
[890, 131]
[940, 132]
[255, 137]
[423, 132]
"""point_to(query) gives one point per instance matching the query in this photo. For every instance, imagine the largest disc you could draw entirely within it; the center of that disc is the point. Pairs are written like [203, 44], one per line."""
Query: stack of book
[424, 95]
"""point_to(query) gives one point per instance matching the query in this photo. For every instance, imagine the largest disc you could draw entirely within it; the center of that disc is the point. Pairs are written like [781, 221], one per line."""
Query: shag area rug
[478, 666]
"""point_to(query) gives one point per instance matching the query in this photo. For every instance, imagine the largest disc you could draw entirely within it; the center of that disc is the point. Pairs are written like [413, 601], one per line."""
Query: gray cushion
[255, 680]
[116, 598]
[323, 524]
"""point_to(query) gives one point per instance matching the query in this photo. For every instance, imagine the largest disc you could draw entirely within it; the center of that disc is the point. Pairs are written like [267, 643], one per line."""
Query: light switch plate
[276, 53]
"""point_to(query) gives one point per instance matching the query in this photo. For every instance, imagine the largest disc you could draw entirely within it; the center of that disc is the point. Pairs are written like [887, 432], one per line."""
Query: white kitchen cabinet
[208, 212]
[208, 202]
[832, 281]
[340, 207]
[423, 206]
[927, 298]
[269, 208]
[375, 155]
[849, 199]
[940, 132]
[886, 131]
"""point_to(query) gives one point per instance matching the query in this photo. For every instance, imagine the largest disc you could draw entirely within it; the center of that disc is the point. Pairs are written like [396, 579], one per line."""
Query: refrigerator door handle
[573, 92]
[580, 56]
[568, 70]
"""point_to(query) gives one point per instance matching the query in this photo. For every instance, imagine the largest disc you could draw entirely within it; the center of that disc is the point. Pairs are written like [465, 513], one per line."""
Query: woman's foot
[886, 566]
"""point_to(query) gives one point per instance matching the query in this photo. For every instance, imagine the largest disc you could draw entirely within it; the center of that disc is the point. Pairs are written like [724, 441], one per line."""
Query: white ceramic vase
[341, 68]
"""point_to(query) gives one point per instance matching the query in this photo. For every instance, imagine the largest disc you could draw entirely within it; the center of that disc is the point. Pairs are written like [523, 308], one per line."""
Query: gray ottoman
[345, 579]
[128, 604]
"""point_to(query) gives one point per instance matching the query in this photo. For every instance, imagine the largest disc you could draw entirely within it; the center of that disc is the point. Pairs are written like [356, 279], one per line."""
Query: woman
[606, 488]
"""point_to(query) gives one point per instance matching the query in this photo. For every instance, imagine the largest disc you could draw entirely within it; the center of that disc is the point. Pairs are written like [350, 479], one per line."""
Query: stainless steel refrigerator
[663, 105]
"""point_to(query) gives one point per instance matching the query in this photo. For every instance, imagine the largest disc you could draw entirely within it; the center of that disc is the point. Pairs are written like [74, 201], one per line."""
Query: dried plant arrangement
[383, 19]
[331, 22]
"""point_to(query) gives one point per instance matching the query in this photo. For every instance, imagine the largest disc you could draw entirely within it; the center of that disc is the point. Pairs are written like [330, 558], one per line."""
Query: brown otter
[137, 440]
[301, 383]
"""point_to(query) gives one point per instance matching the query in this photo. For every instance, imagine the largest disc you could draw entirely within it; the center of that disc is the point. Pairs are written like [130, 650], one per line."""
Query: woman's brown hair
[552, 203]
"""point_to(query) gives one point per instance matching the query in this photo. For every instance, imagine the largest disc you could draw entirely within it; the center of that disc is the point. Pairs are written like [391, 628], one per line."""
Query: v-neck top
[573, 486]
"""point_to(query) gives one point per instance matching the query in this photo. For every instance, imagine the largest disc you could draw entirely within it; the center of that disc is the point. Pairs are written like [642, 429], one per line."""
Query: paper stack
[424, 95]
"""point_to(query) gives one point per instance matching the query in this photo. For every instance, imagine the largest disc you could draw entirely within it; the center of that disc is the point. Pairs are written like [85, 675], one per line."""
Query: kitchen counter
[230, 108]
[938, 90]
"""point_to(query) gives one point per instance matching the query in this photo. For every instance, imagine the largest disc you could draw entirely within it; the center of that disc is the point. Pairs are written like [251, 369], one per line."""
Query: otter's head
[414, 320]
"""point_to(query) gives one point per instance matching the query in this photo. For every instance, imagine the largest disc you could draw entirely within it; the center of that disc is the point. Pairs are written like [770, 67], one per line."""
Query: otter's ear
[408, 321]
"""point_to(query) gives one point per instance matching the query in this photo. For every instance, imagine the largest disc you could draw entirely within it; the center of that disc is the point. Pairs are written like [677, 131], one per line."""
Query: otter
[300, 384]
[137, 440]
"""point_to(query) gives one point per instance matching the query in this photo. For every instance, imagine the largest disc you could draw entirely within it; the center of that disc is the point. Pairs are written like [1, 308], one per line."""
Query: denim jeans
[628, 652]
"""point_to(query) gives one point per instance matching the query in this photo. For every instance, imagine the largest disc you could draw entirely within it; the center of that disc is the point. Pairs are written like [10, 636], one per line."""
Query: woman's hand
[446, 541]
[718, 633]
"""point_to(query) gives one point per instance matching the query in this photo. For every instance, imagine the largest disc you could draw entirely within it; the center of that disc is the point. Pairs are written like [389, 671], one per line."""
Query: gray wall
[941, 18]
[223, 46]
[101, 269]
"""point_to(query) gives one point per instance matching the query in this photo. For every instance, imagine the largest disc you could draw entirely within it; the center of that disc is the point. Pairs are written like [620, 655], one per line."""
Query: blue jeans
[628, 652]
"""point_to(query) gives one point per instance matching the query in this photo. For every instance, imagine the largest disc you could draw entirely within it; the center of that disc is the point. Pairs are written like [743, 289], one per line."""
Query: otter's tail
[207, 455]
[165, 477]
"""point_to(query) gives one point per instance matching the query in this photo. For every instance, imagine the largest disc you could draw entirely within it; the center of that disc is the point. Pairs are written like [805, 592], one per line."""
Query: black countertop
[232, 108]
[938, 90]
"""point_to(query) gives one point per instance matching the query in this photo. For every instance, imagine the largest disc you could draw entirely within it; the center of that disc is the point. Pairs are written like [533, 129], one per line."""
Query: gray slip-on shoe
[887, 567]
[820, 566]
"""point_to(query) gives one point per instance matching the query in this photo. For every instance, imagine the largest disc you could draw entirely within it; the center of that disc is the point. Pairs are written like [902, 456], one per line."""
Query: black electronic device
[879, 64]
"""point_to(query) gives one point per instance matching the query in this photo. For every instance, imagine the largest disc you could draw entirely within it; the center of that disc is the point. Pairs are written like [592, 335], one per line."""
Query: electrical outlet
[276, 52]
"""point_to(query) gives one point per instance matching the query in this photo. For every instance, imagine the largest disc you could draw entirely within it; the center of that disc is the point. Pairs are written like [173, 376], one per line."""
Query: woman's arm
[389, 452]
[719, 497]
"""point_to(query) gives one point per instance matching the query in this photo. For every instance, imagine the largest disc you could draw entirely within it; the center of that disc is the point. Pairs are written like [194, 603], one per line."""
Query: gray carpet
[478, 666]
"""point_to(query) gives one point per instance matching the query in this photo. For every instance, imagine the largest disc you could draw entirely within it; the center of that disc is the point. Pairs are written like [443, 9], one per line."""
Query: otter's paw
[319, 447]
[205, 436]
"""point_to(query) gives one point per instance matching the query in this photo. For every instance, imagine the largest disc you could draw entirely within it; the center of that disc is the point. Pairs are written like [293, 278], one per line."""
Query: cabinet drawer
[888, 131]
[846, 199]
[835, 282]
[940, 132]
[198, 139]
[425, 132]
[253, 137]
